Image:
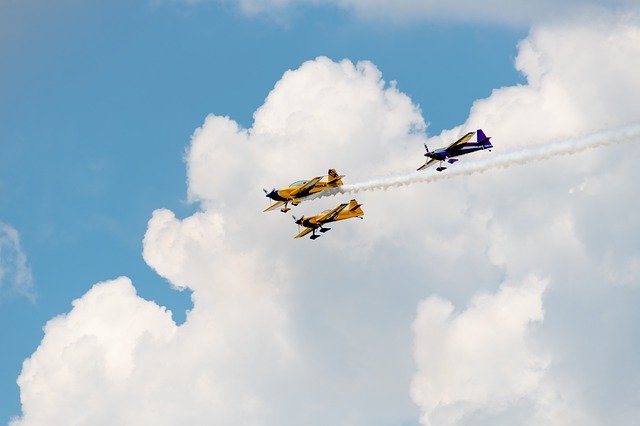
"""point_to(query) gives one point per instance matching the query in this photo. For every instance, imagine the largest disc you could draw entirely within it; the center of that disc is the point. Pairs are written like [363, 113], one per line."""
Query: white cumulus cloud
[478, 358]
[287, 331]
[570, 220]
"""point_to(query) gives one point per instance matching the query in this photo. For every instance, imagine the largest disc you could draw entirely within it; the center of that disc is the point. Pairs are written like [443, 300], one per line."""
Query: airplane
[460, 147]
[311, 223]
[300, 189]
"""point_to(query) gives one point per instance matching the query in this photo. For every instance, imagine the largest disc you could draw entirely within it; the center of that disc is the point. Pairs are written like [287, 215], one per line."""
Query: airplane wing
[462, 140]
[304, 232]
[273, 206]
[430, 162]
[304, 189]
[328, 216]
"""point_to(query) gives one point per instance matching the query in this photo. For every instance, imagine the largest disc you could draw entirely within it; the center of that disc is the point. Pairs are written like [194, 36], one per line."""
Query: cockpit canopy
[298, 183]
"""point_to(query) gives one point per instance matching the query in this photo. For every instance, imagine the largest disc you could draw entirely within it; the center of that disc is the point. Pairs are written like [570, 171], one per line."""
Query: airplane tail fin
[354, 207]
[484, 140]
[481, 135]
[334, 178]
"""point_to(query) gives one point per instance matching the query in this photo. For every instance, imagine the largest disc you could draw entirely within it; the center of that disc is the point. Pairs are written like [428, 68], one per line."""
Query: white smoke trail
[527, 155]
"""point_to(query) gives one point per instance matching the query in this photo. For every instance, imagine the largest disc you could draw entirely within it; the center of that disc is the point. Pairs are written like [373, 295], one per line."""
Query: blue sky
[99, 102]
[113, 115]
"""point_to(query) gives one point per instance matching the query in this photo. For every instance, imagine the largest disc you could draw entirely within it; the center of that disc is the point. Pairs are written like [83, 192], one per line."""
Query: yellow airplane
[300, 189]
[343, 211]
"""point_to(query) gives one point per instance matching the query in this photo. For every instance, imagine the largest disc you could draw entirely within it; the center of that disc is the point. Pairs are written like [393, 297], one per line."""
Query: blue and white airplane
[460, 147]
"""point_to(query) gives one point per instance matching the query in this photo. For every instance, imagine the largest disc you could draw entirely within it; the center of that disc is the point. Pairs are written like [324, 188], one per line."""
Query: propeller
[270, 195]
[266, 194]
[297, 221]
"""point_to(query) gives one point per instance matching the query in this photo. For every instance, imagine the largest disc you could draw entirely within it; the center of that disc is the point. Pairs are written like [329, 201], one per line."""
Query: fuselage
[466, 148]
[313, 222]
[285, 193]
